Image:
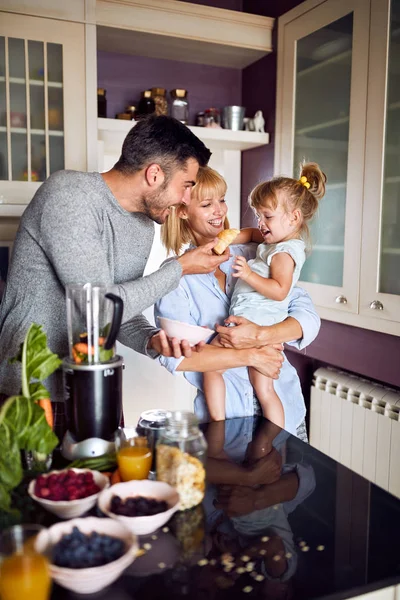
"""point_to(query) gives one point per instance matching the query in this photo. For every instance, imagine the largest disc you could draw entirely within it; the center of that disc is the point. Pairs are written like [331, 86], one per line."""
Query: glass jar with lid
[212, 117]
[181, 455]
[160, 100]
[101, 103]
[180, 105]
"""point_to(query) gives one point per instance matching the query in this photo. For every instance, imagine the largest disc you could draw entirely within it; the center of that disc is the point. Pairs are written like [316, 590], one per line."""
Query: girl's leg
[214, 391]
[271, 405]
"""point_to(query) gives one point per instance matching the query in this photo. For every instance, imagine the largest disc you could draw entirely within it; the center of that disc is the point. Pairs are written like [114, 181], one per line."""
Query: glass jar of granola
[160, 100]
[181, 455]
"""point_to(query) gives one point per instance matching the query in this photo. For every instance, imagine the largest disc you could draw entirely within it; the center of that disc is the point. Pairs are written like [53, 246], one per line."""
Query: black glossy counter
[318, 531]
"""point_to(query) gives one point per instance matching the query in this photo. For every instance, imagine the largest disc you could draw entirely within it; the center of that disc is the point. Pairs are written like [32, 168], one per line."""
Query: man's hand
[202, 260]
[245, 335]
[267, 360]
[242, 269]
[171, 346]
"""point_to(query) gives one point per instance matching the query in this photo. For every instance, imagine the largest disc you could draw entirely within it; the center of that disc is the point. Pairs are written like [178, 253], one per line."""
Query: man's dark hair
[162, 140]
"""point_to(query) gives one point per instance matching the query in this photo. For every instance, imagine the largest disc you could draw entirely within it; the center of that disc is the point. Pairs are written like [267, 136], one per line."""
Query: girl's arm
[274, 287]
[247, 235]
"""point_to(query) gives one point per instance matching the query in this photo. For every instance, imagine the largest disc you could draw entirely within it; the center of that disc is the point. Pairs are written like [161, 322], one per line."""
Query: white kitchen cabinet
[42, 104]
[338, 105]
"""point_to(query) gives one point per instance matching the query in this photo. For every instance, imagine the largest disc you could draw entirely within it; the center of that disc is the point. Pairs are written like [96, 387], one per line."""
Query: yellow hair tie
[303, 181]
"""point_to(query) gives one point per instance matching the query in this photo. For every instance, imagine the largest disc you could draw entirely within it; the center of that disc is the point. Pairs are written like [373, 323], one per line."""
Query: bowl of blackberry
[142, 506]
[86, 555]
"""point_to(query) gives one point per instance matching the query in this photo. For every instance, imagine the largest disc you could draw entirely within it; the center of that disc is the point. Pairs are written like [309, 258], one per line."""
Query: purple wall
[124, 77]
[368, 353]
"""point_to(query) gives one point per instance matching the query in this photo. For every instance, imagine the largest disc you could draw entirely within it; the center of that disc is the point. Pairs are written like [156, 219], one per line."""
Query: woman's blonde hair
[176, 231]
[298, 194]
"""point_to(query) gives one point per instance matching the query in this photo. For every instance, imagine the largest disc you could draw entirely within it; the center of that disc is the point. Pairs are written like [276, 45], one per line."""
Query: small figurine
[257, 123]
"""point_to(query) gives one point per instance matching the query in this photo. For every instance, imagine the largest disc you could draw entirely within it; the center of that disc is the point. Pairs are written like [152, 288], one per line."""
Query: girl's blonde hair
[176, 231]
[297, 195]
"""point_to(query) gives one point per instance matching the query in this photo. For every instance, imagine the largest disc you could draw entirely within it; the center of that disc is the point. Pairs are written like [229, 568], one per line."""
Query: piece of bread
[226, 237]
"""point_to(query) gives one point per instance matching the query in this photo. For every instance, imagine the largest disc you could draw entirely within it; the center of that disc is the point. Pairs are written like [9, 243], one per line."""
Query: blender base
[71, 449]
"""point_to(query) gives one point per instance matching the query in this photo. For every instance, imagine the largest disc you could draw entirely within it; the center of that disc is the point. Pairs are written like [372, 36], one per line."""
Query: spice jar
[160, 100]
[212, 117]
[180, 106]
[181, 454]
[101, 103]
[146, 105]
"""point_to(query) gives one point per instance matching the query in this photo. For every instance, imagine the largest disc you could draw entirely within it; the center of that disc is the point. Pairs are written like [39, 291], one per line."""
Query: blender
[92, 372]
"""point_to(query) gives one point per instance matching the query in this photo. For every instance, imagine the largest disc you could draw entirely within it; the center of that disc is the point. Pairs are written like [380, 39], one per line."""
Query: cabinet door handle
[376, 305]
[341, 300]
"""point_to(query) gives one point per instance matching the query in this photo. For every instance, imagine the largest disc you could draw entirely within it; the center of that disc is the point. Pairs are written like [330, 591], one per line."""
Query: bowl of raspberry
[68, 493]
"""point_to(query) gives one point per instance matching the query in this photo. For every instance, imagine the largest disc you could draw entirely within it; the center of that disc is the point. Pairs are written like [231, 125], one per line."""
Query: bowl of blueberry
[86, 555]
[142, 506]
[68, 493]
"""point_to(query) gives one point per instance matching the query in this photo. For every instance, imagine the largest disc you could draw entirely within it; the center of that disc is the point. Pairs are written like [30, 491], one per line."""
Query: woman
[204, 300]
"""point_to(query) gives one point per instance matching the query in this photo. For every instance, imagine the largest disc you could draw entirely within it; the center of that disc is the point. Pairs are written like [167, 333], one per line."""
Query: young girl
[283, 207]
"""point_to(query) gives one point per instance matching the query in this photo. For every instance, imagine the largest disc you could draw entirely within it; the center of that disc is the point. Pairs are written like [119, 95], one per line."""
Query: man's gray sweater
[74, 231]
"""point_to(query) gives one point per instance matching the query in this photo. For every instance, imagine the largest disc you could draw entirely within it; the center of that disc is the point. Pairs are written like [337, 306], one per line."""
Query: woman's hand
[241, 267]
[245, 335]
[171, 346]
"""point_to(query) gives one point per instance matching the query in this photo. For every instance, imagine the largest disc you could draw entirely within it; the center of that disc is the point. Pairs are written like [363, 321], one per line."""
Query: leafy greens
[23, 424]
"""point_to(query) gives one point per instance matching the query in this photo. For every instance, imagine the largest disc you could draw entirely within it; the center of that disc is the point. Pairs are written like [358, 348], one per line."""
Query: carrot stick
[45, 403]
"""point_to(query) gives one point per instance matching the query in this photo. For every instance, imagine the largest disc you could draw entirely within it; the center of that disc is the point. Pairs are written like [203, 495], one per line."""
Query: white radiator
[356, 422]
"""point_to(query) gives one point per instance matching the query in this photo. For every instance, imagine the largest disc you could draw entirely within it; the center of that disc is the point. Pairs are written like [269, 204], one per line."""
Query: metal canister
[150, 424]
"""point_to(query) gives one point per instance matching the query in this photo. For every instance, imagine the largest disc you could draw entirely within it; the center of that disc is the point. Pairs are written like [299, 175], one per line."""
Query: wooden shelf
[52, 132]
[38, 82]
[183, 31]
[113, 131]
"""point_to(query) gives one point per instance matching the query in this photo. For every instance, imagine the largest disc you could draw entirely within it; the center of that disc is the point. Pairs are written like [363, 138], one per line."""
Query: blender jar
[93, 317]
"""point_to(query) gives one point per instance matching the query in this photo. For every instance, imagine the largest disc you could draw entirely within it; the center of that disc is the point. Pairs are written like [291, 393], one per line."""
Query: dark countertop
[320, 530]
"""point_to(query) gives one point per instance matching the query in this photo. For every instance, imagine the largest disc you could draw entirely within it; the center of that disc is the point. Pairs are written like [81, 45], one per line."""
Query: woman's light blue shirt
[200, 301]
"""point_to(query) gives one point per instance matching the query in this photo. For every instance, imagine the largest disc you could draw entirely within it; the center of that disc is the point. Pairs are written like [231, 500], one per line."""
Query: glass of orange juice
[24, 573]
[134, 454]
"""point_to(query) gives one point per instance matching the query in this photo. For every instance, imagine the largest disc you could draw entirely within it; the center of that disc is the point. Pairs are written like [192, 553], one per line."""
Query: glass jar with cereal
[181, 454]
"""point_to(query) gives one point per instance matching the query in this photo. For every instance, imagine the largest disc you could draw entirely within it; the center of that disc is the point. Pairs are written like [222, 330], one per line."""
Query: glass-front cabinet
[338, 104]
[322, 116]
[380, 265]
[42, 104]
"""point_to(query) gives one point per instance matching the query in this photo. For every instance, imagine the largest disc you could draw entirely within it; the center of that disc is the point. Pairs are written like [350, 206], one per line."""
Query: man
[98, 228]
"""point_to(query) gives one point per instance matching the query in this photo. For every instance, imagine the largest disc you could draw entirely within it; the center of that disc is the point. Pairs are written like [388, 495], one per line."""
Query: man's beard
[154, 204]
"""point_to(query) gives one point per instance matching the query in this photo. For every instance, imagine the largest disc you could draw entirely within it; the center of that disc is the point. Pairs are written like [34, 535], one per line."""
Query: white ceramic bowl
[184, 331]
[68, 509]
[88, 581]
[148, 489]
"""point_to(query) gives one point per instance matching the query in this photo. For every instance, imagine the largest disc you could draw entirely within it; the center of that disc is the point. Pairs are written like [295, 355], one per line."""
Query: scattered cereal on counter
[165, 529]
[247, 589]
[228, 568]
[153, 537]
[320, 548]
[202, 562]
[265, 538]
[227, 557]
[288, 555]
[276, 557]
[147, 546]
[245, 558]
[262, 552]
[250, 566]
[213, 562]
[161, 565]
[140, 552]
[305, 548]
[259, 577]
[276, 506]
[240, 570]
[302, 544]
